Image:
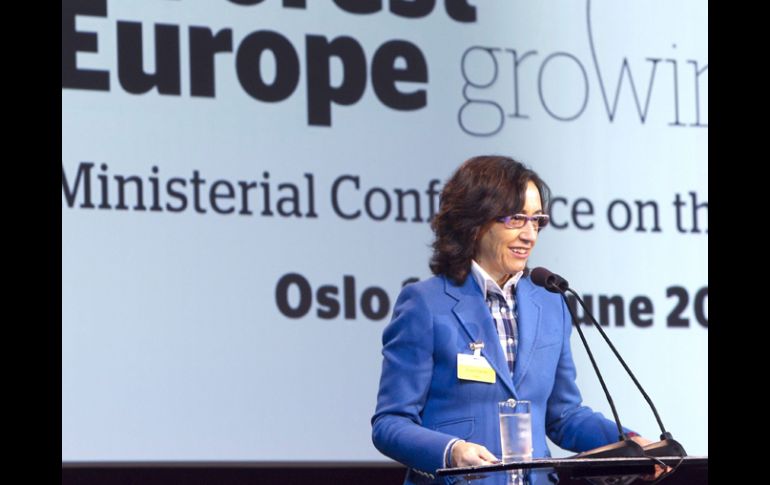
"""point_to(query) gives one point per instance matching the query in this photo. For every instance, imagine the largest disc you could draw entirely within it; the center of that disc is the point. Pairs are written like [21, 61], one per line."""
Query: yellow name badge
[474, 368]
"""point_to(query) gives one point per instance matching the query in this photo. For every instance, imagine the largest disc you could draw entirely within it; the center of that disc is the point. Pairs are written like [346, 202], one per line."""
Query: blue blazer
[422, 405]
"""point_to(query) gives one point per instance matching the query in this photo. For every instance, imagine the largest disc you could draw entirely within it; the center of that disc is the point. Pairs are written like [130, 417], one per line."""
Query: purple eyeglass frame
[539, 220]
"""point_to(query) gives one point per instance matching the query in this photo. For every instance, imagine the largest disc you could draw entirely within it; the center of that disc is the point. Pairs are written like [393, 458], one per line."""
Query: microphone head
[540, 276]
[548, 280]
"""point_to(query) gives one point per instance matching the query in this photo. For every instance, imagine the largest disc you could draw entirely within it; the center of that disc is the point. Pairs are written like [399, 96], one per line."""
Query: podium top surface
[597, 464]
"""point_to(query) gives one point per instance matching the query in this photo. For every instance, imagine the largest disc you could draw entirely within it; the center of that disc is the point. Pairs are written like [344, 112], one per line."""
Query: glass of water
[515, 430]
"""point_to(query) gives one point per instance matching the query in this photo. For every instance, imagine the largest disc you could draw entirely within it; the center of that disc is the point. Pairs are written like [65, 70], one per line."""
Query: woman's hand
[659, 470]
[471, 454]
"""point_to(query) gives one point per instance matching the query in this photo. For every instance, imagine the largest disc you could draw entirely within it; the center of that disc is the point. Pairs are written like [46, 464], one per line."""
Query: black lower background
[197, 474]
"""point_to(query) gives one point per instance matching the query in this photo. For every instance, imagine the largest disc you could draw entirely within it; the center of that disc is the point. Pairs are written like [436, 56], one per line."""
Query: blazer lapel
[474, 317]
[528, 316]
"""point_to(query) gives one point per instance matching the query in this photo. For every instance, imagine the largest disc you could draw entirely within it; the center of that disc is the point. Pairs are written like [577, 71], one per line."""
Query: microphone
[625, 447]
[550, 281]
[667, 446]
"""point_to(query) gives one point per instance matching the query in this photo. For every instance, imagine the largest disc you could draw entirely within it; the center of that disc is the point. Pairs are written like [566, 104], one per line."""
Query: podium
[690, 470]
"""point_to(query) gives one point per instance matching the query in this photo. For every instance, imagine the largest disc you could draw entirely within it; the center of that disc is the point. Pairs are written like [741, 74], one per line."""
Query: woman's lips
[520, 253]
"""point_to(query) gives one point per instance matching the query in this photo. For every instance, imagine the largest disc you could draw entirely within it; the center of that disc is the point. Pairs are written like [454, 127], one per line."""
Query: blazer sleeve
[407, 370]
[569, 423]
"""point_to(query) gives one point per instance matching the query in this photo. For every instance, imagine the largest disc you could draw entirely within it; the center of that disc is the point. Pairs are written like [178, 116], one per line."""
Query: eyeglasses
[517, 221]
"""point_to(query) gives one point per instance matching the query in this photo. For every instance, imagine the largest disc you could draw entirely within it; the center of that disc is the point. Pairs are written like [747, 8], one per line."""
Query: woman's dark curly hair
[481, 190]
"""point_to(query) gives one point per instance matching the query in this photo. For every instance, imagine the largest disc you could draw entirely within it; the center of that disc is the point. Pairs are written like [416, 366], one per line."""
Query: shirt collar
[487, 283]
